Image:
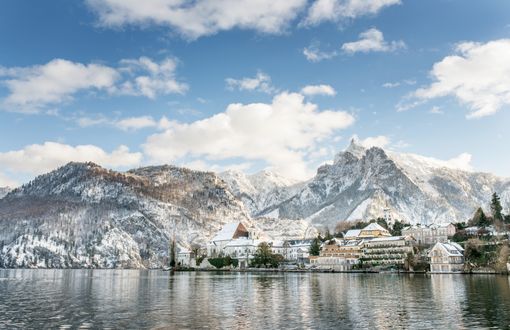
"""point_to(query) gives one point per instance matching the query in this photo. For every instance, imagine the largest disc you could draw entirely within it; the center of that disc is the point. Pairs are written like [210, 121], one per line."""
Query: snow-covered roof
[352, 233]
[227, 232]
[375, 226]
[452, 248]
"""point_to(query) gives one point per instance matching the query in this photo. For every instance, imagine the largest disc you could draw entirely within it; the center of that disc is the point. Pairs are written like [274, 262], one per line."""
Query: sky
[251, 84]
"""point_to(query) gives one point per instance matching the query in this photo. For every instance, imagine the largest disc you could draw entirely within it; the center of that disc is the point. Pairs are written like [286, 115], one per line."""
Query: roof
[227, 232]
[452, 248]
[352, 233]
[375, 226]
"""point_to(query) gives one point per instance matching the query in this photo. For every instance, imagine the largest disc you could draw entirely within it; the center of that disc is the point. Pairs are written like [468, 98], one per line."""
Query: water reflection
[155, 299]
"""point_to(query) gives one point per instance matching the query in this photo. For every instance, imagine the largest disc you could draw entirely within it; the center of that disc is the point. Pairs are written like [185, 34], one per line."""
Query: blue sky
[221, 84]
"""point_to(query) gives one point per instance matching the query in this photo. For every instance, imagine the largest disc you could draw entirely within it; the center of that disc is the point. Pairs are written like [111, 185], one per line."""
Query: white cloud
[436, 110]
[379, 141]
[36, 88]
[150, 78]
[340, 10]
[372, 40]
[312, 90]
[314, 54]
[135, 123]
[261, 82]
[478, 76]
[41, 158]
[281, 134]
[201, 17]
[126, 124]
[32, 88]
[391, 85]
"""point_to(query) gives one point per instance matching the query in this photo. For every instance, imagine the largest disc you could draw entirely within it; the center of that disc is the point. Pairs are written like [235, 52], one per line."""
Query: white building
[446, 258]
[229, 232]
[431, 234]
[241, 249]
[185, 258]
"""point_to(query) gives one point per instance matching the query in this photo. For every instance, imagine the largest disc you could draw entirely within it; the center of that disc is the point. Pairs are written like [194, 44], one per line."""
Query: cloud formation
[202, 17]
[478, 76]
[314, 54]
[281, 134]
[372, 40]
[261, 83]
[312, 90]
[32, 88]
[41, 158]
[340, 10]
[39, 87]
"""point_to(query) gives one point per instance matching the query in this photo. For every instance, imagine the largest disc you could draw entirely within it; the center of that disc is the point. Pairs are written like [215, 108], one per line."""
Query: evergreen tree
[315, 247]
[480, 219]
[397, 228]
[496, 208]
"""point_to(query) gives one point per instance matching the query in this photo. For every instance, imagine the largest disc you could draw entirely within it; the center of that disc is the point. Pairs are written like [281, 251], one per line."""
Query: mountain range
[82, 215]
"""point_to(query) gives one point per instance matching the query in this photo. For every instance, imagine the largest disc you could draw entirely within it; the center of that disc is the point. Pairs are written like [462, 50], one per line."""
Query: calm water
[155, 299]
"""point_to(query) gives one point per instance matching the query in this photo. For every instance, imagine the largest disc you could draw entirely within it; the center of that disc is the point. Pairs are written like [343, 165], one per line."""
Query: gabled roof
[451, 248]
[227, 232]
[352, 233]
[375, 226]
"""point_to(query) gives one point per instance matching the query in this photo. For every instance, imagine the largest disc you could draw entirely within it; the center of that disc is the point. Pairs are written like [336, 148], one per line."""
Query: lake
[206, 300]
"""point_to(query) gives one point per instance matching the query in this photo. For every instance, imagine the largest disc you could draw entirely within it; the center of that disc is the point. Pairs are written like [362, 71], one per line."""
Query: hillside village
[481, 245]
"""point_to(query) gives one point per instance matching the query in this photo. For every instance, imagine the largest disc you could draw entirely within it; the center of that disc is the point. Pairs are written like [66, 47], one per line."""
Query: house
[392, 250]
[431, 234]
[446, 258]
[299, 250]
[185, 258]
[229, 232]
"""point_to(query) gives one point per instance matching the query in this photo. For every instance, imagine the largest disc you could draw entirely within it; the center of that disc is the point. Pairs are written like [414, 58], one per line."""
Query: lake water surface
[203, 300]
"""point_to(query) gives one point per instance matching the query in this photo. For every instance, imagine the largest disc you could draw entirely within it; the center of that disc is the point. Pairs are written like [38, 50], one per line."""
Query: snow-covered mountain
[369, 183]
[82, 215]
[4, 191]
[261, 191]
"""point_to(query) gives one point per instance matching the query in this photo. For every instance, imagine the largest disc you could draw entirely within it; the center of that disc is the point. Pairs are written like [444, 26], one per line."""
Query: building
[242, 249]
[392, 250]
[446, 258]
[226, 234]
[371, 231]
[339, 256]
[185, 258]
[431, 234]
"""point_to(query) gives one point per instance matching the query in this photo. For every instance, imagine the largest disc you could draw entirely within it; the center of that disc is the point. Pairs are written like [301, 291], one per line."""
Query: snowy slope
[4, 191]
[365, 183]
[260, 191]
[82, 215]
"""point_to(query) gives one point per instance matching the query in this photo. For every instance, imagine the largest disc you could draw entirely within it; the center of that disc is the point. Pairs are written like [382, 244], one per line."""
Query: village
[381, 245]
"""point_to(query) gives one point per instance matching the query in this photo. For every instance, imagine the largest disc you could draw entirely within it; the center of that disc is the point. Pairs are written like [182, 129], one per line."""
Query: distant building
[431, 234]
[373, 230]
[387, 250]
[242, 249]
[446, 258]
[185, 258]
[340, 256]
[229, 232]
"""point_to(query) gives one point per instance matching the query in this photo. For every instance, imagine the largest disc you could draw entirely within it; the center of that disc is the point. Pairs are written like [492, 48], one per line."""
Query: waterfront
[191, 300]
